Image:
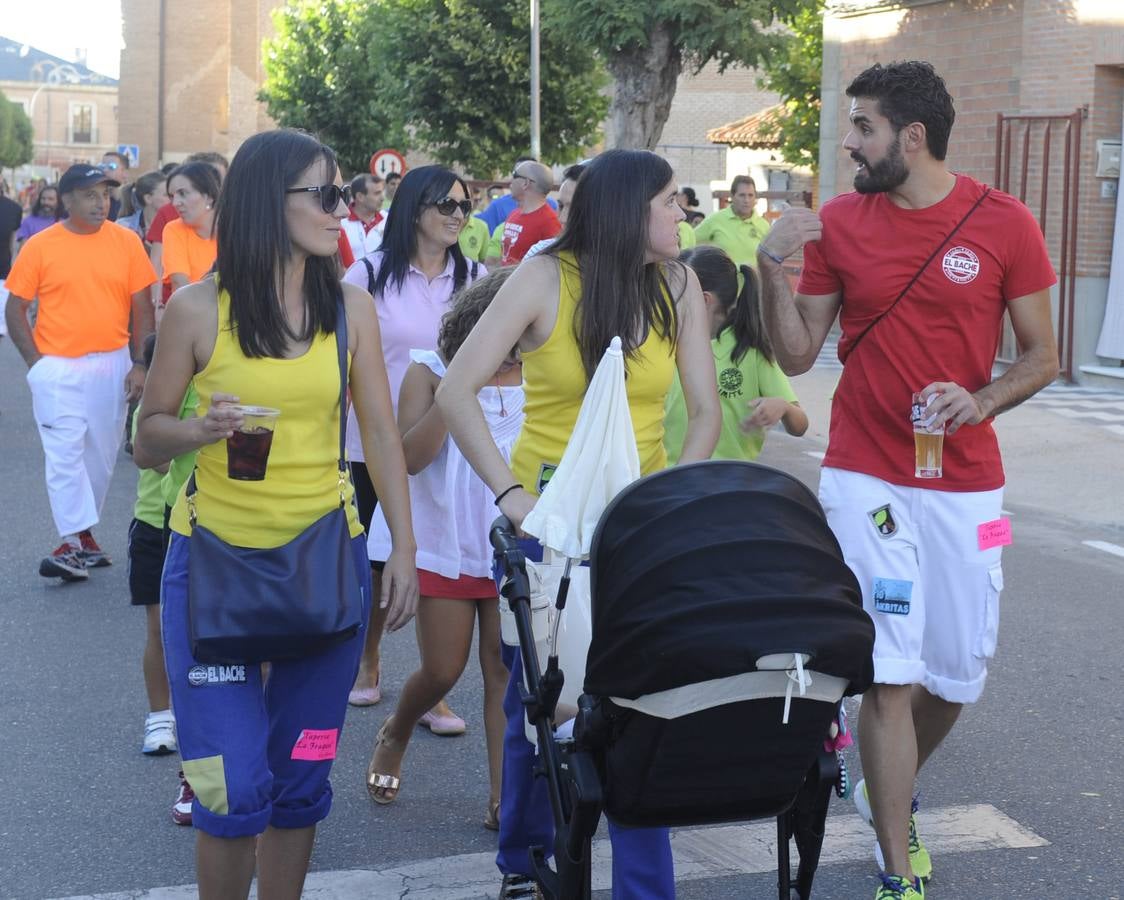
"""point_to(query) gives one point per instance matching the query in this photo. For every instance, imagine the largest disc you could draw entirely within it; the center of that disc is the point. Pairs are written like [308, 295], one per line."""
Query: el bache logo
[197, 676]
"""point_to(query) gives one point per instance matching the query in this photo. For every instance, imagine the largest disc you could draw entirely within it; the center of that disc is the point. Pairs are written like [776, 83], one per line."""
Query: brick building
[1010, 58]
[73, 110]
[190, 75]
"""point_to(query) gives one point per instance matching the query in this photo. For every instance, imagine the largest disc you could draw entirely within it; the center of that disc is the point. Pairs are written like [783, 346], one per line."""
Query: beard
[883, 176]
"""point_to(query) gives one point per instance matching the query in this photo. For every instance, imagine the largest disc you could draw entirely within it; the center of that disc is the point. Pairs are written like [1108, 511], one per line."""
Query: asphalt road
[83, 812]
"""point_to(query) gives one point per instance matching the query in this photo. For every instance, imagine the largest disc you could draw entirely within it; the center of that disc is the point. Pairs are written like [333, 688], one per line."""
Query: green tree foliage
[795, 74]
[449, 77]
[646, 44]
[16, 147]
[463, 82]
[324, 72]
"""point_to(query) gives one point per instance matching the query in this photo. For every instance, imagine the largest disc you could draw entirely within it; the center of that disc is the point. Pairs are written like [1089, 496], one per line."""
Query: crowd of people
[444, 352]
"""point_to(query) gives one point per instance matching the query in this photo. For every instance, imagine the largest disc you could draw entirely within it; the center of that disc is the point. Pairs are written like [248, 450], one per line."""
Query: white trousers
[79, 406]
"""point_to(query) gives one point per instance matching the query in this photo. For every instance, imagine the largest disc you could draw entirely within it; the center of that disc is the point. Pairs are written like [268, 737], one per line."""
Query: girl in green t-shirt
[753, 391]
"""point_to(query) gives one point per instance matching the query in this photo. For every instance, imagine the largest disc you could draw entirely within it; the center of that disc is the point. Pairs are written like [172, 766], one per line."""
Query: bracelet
[500, 496]
[779, 260]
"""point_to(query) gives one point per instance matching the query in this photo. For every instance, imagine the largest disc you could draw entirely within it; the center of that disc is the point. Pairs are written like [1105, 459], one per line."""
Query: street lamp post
[536, 113]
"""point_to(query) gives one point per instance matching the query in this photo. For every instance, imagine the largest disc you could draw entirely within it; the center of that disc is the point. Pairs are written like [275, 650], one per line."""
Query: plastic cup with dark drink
[247, 450]
[928, 441]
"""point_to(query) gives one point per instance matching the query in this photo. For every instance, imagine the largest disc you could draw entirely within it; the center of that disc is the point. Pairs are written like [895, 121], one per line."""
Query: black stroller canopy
[700, 570]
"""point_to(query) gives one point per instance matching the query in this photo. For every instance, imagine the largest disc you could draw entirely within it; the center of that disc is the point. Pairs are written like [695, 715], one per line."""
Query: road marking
[700, 853]
[815, 454]
[1114, 549]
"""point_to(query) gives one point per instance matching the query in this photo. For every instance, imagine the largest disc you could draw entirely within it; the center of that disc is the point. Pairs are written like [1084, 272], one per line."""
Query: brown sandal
[378, 781]
[492, 817]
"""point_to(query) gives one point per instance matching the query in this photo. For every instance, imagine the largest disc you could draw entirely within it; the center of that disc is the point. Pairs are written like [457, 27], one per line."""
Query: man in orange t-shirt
[84, 361]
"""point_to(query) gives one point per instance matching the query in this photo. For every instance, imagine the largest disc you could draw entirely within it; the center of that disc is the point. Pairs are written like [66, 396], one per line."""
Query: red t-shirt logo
[961, 265]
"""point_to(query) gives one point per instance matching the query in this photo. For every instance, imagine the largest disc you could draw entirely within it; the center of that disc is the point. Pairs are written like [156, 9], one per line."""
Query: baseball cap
[83, 176]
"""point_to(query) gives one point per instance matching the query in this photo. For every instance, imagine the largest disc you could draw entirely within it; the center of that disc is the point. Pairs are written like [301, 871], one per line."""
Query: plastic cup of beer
[247, 450]
[928, 440]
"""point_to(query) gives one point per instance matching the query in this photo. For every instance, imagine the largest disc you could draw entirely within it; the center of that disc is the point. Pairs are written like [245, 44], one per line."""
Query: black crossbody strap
[925, 265]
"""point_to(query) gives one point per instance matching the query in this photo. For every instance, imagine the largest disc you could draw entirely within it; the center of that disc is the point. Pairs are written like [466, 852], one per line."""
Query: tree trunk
[644, 86]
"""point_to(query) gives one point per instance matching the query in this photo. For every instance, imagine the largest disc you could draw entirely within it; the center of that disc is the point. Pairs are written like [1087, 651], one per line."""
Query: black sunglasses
[330, 195]
[448, 206]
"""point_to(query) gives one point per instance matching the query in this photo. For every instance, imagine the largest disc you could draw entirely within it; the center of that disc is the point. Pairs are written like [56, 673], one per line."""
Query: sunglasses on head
[330, 195]
[448, 206]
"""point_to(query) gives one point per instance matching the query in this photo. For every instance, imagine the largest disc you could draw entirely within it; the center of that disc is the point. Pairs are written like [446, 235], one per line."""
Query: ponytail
[740, 303]
[745, 319]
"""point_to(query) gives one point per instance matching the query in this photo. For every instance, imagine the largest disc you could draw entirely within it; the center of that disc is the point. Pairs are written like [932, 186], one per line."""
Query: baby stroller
[726, 631]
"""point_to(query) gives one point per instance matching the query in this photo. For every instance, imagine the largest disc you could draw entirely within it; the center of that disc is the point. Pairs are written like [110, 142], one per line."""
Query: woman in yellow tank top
[262, 331]
[613, 271]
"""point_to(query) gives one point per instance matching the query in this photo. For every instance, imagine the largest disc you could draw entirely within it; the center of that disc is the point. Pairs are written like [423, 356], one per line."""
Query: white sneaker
[159, 733]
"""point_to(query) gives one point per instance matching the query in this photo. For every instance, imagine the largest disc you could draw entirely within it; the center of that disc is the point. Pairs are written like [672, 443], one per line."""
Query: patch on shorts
[315, 745]
[546, 472]
[198, 676]
[892, 596]
[884, 522]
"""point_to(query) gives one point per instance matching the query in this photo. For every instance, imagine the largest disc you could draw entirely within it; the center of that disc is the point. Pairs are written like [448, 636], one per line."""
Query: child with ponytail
[753, 391]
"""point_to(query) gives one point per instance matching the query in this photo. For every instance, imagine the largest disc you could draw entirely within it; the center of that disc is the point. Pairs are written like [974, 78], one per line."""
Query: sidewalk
[1068, 467]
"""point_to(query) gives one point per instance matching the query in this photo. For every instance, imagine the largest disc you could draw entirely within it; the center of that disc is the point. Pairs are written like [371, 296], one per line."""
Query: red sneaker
[67, 563]
[181, 809]
[93, 554]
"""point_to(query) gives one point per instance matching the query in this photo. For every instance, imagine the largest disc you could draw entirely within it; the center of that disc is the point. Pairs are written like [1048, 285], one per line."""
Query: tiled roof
[752, 131]
[22, 62]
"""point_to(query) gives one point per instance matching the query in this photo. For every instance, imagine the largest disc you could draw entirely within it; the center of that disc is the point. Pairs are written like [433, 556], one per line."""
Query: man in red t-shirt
[926, 551]
[533, 220]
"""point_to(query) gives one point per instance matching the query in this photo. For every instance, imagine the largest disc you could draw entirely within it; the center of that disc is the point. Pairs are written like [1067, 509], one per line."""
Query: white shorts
[932, 592]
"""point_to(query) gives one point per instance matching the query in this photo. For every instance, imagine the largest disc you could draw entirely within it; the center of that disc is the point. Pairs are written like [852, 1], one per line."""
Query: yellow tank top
[301, 479]
[554, 385]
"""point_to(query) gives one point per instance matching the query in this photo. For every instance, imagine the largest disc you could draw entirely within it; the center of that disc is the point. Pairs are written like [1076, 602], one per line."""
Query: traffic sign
[130, 152]
[385, 161]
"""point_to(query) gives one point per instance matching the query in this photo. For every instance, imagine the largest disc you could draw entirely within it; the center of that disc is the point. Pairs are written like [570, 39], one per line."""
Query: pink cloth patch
[316, 746]
[994, 534]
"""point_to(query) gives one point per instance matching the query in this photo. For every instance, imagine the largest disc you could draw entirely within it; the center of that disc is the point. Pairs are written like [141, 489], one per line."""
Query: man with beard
[921, 264]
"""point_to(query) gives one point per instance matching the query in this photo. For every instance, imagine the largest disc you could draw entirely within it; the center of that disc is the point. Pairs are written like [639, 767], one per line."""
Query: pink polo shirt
[409, 319]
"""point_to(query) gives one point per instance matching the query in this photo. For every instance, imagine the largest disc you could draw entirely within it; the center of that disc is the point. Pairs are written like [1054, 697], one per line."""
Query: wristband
[500, 496]
[779, 260]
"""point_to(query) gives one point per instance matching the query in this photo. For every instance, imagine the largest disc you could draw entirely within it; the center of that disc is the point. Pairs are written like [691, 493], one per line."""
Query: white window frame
[73, 105]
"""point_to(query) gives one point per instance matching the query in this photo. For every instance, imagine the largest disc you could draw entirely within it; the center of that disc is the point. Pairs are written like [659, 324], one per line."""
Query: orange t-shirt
[85, 284]
[187, 253]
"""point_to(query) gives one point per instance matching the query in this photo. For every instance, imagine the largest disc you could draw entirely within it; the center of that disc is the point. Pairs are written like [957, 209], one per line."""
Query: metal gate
[1038, 160]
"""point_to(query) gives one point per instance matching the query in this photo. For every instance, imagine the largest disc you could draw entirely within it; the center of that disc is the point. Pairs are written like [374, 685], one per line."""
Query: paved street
[1026, 800]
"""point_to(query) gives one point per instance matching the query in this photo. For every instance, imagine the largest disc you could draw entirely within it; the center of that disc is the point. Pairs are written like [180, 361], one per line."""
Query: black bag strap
[370, 276]
[341, 355]
[948, 237]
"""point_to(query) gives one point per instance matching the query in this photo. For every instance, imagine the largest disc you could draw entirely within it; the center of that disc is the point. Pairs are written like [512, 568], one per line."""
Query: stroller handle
[502, 535]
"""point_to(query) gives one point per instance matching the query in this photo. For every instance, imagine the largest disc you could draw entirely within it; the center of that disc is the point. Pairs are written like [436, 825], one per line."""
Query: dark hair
[607, 231]
[203, 177]
[393, 176]
[148, 349]
[718, 275]
[145, 185]
[910, 92]
[254, 243]
[361, 183]
[739, 180]
[468, 306]
[574, 172]
[692, 197]
[420, 188]
[211, 158]
[37, 206]
[121, 156]
[168, 168]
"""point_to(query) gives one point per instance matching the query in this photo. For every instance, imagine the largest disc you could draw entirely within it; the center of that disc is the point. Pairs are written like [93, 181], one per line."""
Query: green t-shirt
[687, 238]
[495, 243]
[149, 507]
[474, 239]
[179, 470]
[738, 237]
[738, 384]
